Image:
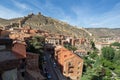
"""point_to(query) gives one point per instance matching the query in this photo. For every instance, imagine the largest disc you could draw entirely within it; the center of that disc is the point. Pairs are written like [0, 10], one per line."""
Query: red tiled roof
[62, 50]
[19, 50]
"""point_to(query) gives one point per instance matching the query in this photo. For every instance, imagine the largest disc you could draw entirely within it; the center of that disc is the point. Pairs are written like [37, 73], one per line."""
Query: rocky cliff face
[54, 26]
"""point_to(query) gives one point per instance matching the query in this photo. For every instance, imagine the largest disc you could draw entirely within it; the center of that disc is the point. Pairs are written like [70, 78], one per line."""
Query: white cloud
[86, 18]
[51, 10]
[8, 13]
[21, 5]
[110, 18]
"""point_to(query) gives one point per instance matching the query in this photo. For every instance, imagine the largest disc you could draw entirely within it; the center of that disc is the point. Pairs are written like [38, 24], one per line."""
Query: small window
[77, 78]
[65, 55]
[64, 72]
[23, 74]
[2, 47]
[69, 64]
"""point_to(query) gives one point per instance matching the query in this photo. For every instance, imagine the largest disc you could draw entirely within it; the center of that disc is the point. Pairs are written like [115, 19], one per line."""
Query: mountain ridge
[104, 32]
[55, 26]
[49, 24]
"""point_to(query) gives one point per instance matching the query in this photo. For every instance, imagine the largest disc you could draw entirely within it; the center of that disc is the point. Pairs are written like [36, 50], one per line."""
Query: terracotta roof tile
[19, 50]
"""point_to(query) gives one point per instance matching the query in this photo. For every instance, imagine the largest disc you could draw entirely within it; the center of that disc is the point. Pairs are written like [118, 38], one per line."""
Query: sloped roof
[6, 55]
[63, 50]
[19, 51]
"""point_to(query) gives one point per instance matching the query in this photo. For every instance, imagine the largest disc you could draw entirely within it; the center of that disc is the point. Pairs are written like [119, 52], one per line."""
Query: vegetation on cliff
[105, 66]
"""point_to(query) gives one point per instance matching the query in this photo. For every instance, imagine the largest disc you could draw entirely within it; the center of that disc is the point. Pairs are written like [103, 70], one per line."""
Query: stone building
[32, 67]
[14, 62]
[81, 52]
[100, 45]
[4, 33]
[53, 40]
[11, 61]
[69, 63]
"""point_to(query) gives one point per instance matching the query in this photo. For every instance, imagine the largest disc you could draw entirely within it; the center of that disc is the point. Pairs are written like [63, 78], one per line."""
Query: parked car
[48, 75]
[45, 70]
[44, 59]
[54, 64]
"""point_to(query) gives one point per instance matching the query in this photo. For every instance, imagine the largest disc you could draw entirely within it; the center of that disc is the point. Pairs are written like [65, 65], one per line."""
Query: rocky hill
[48, 24]
[55, 26]
[104, 32]
[4, 22]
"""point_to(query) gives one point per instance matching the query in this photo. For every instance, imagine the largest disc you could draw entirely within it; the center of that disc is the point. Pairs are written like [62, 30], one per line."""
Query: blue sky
[82, 13]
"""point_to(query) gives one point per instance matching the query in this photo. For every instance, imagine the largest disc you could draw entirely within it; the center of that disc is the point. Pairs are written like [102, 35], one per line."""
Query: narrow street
[50, 68]
[53, 71]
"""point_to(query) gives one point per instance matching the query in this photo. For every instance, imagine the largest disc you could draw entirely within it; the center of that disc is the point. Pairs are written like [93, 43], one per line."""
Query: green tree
[93, 55]
[108, 53]
[70, 47]
[117, 63]
[93, 45]
[117, 44]
[36, 44]
[117, 57]
[117, 70]
[108, 64]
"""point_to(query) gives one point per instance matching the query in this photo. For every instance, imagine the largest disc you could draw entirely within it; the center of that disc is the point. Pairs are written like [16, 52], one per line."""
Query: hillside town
[27, 53]
[24, 65]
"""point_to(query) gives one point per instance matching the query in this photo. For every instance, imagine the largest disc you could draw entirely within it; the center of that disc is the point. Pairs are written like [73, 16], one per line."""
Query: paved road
[50, 68]
[59, 74]
[56, 74]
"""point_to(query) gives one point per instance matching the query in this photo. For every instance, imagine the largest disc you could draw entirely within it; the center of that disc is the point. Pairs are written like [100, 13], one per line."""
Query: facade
[32, 67]
[4, 33]
[81, 52]
[100, 45]
[19, 49]
[53, 40]
[10, 61]
[14, 62]
[69, 63]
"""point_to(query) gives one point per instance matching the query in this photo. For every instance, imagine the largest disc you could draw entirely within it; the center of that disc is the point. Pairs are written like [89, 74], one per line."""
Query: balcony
[70, 65]
[70, 70]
